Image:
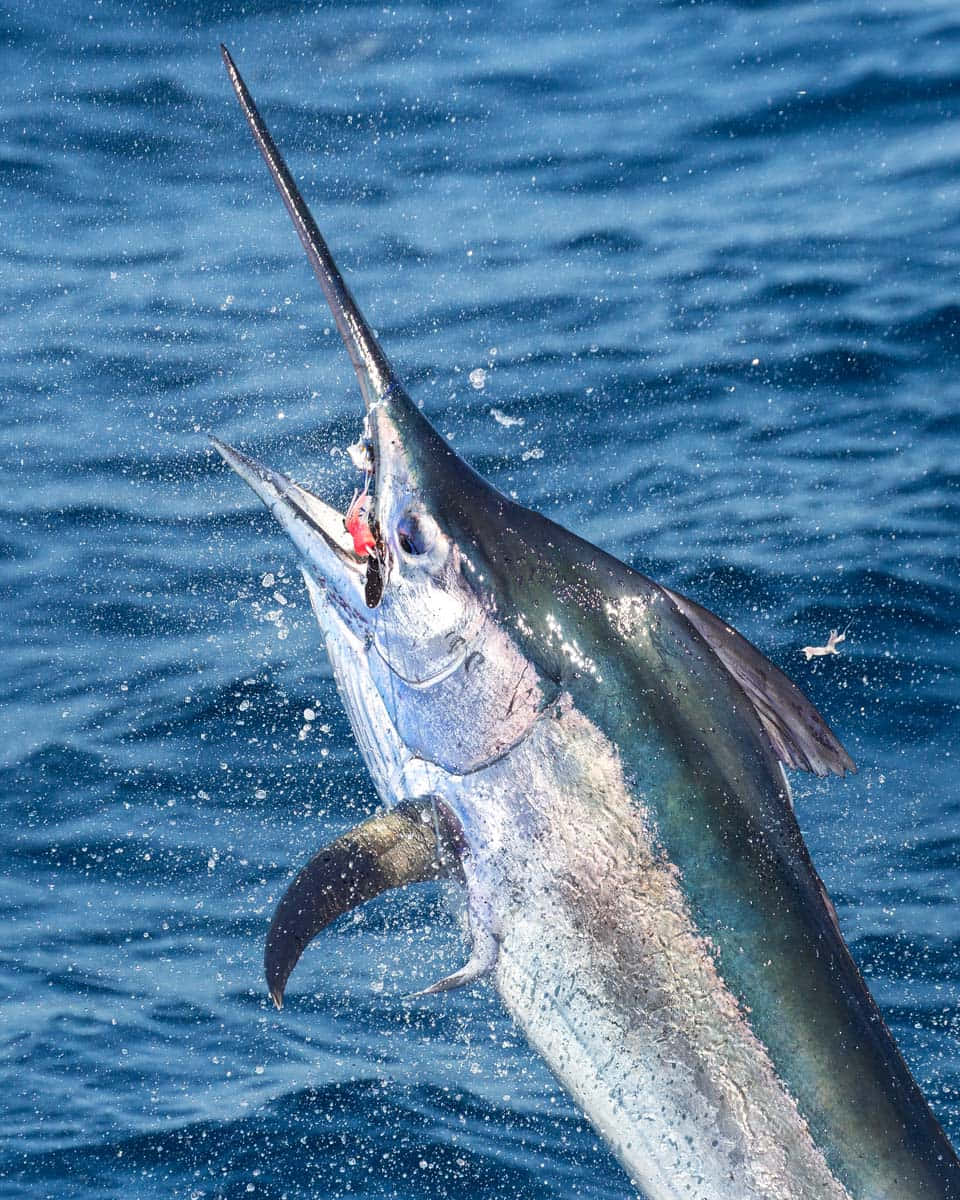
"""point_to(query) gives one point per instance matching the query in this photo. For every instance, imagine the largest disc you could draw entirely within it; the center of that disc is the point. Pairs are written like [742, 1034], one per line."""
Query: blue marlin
[599, 761]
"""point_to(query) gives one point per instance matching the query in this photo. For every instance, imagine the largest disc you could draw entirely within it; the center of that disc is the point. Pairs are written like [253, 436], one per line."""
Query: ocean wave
[904, 98]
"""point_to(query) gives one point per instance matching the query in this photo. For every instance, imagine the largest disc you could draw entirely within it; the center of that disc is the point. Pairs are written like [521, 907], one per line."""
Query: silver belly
[604, 970]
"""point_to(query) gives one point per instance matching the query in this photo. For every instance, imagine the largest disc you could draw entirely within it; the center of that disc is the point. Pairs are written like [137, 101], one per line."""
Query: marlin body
[600, 762]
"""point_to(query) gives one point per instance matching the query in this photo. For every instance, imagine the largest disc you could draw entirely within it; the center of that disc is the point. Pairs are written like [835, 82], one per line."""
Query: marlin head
[426, 527]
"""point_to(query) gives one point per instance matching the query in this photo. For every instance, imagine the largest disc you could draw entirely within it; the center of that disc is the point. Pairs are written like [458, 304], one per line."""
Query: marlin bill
[599, 762]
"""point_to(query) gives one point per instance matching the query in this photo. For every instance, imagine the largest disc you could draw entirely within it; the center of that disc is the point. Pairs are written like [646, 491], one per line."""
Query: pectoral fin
[411, 843]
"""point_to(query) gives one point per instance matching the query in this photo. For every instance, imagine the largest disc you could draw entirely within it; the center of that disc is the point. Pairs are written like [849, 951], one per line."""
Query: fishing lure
[357, 524]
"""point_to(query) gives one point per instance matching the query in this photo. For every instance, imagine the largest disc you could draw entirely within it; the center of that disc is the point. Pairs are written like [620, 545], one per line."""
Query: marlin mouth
[320, 532]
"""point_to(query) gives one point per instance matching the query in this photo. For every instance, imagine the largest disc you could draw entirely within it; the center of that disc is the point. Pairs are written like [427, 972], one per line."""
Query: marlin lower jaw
[315, 528]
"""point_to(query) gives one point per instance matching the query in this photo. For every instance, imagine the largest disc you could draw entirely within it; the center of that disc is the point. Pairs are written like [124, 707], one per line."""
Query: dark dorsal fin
[799, 735]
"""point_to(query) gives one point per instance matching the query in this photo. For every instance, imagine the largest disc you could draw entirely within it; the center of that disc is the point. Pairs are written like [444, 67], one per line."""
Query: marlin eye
[411, 535]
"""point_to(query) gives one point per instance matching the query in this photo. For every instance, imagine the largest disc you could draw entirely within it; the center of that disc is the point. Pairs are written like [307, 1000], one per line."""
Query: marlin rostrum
[600, 761]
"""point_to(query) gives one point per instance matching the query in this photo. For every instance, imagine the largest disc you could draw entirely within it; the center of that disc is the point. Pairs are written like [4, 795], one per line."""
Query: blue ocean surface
[685, 277]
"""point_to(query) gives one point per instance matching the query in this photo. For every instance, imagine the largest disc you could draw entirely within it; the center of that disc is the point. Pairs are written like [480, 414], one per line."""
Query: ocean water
[706, 261]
